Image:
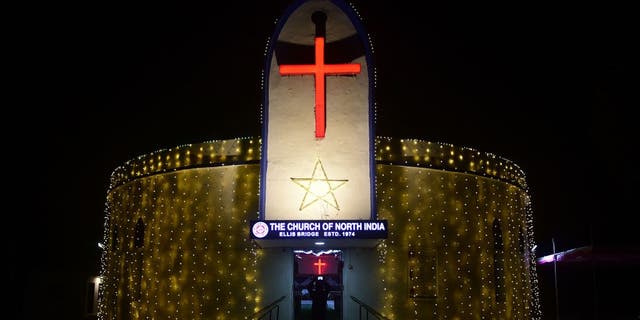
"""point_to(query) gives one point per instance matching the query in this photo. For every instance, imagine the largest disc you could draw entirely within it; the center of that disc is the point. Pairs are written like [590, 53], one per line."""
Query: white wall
[276, 277]
[361, 280]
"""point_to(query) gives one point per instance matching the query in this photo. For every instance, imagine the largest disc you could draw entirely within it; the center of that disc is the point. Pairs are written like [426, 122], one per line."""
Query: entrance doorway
[317, 284]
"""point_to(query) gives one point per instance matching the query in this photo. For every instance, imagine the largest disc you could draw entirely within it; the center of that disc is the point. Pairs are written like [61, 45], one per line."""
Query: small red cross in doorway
[320, 264]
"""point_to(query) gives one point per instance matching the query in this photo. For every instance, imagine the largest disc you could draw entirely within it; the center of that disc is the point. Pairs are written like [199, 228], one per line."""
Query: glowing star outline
[331, 185]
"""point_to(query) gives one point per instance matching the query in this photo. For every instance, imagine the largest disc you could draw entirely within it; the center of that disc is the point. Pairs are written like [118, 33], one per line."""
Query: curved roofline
[388, 151]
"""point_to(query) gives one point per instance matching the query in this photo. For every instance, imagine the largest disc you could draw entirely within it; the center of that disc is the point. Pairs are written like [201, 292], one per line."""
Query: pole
[555, 277]
[594, 285]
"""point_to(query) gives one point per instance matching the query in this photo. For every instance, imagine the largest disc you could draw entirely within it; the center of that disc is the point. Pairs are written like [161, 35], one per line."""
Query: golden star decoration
[319, 187]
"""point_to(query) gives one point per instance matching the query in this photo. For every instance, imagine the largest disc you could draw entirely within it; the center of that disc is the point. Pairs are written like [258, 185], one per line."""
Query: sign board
[319, 229]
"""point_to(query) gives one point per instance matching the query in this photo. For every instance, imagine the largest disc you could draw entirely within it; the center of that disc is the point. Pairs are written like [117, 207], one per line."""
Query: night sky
[542, 85]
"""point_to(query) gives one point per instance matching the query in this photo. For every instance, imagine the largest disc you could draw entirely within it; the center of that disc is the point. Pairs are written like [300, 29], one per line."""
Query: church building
[318, 215]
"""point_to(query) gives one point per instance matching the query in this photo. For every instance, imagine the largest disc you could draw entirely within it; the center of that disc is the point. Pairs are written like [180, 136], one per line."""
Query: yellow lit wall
[195, 260]
[445, 220]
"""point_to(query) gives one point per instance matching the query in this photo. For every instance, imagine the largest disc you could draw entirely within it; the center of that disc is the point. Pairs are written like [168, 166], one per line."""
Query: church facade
[246, 228]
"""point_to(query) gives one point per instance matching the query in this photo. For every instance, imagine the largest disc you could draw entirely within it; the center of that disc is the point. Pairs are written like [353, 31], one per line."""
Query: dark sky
[542, 85]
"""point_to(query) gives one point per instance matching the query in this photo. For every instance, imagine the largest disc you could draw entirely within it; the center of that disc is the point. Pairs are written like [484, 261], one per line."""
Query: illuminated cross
[320, 70]
[320, 264]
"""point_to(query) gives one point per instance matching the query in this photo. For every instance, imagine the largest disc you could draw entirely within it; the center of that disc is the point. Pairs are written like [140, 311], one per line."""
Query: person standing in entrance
[319, 291]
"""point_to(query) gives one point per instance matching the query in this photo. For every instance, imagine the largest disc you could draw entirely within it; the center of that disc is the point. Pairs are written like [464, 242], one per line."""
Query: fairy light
[196, 201]
[444, 198]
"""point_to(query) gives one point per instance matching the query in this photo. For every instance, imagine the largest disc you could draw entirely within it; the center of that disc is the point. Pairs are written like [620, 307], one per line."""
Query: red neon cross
[320, 264]
[319, 70]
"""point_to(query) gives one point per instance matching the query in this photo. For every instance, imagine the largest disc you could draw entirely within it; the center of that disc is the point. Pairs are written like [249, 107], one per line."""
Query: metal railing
[369, 310]
[269, 310]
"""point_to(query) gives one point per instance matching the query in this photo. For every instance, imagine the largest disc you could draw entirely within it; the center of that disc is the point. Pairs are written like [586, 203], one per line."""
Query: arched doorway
[317, 284]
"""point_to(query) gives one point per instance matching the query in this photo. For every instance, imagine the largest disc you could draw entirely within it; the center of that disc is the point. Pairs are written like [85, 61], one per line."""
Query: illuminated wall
[178, 246]
[192, 259]
[459, 234]
[292, 150]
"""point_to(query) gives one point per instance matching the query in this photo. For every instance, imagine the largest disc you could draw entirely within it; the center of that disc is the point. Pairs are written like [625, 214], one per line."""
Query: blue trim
[265, 102]
[362, 34]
